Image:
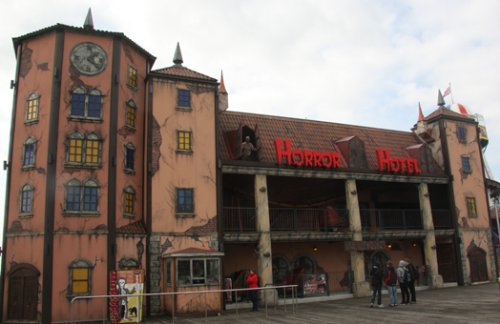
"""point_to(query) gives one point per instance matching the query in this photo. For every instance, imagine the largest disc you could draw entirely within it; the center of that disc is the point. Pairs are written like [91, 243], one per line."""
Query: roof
[62, 27]
[137, 227]
[310, 135]
[178, 71]
[445, 112]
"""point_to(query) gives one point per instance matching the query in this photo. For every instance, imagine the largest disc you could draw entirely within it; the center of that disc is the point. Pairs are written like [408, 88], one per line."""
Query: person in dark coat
[403, 278]
[377, 277]
[413, 276]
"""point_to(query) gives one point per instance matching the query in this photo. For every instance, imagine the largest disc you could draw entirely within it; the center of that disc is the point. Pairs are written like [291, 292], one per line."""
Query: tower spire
[89, 22]
[441, 102]
[178, 55]
[420, 114]
[222, 87]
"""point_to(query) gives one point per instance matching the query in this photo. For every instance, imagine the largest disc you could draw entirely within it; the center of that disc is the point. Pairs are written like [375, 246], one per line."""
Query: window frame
[92, 101]
[130, 114]
[80, 147]
[184, 141]
[207, 278]
[129, 158]
[466, 165]
[462, 134]
[79, 195]
[183, 208]
[32, 108]
[29, 142]
[184, 99]
[132, 77]
[26, 200]
[128, 202]
[471, 205]
[78, 265]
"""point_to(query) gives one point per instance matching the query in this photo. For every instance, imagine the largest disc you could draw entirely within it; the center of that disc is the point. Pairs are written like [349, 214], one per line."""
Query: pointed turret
[178, 55]
[420, 114]
[441, 102]
[89, 22]
[223, 96]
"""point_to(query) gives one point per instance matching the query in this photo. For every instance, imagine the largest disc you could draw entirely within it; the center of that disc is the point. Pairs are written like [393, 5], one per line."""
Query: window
[466, 164]
[129, 157]
[462, 134]
[129, 194]
[32, 108]
[81, 197]
[27, 200]
[130, 114]
[471, 207]
[184, 200]
[29, 153]
[83, 150]
[80, 278]
[198, 271]
[183, 98]
[86, 105]
[132, 77]
[183, 140]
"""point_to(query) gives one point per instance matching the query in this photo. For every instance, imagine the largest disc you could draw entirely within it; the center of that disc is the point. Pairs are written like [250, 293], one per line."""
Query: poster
[126, 308]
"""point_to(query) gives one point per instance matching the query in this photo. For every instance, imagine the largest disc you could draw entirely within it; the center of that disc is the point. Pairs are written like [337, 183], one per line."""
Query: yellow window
[130, 116]
[32, 113]
[92, 151]
[129, 203]
[471, 207]
[80, 282]
[75, 150]
[184, 140]
[132, 77]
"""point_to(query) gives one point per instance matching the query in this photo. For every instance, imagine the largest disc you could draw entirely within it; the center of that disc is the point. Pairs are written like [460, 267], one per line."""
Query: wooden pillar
[436, 280]
[361, 287]
[264, 258]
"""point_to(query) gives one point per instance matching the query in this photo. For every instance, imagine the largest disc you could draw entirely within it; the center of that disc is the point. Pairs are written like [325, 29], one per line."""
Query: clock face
[89, 58]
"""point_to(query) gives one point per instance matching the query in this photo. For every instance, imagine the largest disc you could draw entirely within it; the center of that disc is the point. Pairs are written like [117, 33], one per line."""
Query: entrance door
[477, 264]
[23, 292]
[447, 262]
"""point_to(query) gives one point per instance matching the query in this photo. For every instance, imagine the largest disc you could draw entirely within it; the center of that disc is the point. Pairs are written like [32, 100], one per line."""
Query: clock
[89, 58]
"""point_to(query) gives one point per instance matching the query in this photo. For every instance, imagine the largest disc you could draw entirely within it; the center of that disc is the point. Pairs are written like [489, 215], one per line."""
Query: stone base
[361, 289]
[269, 296]
[437, 281]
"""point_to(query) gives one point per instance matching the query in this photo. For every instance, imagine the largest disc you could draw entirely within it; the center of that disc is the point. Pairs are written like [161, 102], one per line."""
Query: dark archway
[477, 263]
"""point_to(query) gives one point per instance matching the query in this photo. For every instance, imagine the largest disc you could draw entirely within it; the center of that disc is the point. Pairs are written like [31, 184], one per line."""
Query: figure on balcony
[331, 220]
[246, 149]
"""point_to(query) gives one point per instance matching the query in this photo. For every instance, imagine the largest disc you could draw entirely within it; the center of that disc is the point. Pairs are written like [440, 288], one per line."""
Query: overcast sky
[361, 62]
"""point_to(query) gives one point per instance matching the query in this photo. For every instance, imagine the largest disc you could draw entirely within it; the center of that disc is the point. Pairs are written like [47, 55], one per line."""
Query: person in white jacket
[403, 278]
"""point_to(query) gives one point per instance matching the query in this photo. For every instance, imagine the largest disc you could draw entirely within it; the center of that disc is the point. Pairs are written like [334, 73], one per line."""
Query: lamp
[315, 248]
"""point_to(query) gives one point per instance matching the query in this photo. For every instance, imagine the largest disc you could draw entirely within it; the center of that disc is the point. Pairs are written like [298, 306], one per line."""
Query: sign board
[126, 308]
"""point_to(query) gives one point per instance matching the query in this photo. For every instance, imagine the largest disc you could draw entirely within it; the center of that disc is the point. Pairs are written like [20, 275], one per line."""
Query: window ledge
[81, 214]
[126, 215]
[130, 128]
[76, 165]
[26, 215]
[132, 87]
[85, 119]
[28, 167]
[129, 171]
[30, 122]
[185, 109]
[185, 152]
[184, 215]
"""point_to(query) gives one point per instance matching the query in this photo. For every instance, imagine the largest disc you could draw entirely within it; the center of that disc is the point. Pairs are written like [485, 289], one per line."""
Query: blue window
[466, 164]
[129, 156]
[82, 197]
[462, 134]
[183, 98]
[29, 152]
[184, 200]
[86, 104]
[27, 199]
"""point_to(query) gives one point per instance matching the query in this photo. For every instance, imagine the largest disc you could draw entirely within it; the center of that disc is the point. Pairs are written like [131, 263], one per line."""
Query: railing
[318, 219]
[272, 291]
[287, 219]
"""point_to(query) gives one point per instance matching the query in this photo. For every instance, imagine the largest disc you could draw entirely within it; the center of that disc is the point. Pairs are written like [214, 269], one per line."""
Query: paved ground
[454, 305]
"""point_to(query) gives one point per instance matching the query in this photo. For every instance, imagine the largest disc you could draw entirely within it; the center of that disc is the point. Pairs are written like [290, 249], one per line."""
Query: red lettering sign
[397, 165]
[307, 158]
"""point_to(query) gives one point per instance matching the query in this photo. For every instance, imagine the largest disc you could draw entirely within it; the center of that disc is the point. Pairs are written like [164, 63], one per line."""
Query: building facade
[114, 166]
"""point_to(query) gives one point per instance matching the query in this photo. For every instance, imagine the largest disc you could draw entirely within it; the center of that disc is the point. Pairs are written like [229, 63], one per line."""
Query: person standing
[391, 281]
[253, 282]
[413, 276]
[377, 276]
[403, 276]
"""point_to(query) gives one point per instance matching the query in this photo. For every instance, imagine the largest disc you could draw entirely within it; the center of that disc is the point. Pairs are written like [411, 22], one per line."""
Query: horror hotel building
[115, 166]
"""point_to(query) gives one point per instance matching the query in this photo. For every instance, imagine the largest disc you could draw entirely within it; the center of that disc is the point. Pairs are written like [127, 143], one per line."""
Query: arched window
[26, 206]
[86, 105]
[29, 149]
[129, 201]
[130, 114]
[83, 150]
[92, 149]
[80, 278]
[129, 157]
[82, 197]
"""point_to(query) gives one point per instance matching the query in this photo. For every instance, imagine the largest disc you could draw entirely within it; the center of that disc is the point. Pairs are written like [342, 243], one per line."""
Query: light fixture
[389, 245]
[315, 248]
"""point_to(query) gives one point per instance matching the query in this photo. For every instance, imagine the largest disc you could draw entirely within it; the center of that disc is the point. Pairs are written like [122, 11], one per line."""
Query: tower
[75, 180]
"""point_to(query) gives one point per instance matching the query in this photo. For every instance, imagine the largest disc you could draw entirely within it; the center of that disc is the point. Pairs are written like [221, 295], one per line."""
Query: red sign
[397, 165]
[305, 158]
